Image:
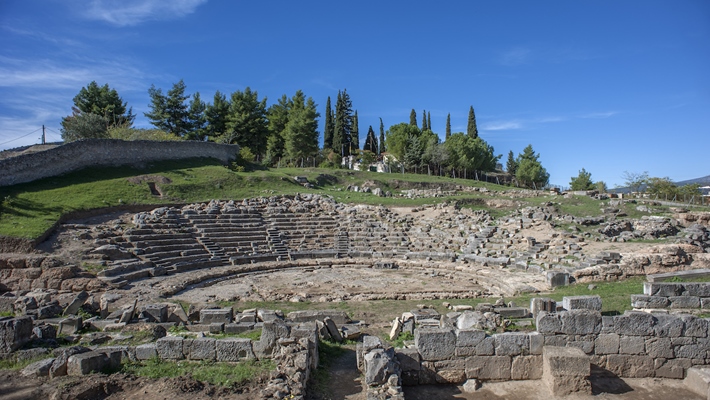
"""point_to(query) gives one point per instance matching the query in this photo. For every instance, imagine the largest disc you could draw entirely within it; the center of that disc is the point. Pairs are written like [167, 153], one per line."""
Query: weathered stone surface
[234, 349]
[475, 320]
[698, 289]
[698, 381]
[542, 304]
[435, 343]
[170, 348]
[85, 363]
[271, 332]
[694, 326]
[471, 386]
[469, 337]
[14, 333]
[630, 366]
[684, 302]
[562, 386]
[557, 278]
[155, 312]
[645, 301]
[565, 361]
[670, 326]
[672, 369]
[513, 312]
[488, 367]
[76, 304]
[38, 369]
[607, 343]
[409, 359]
[451, 376]
[632, 344]
[238, 327]
[203, 349]
[379, 365]
[659, 347]
[537, 341]
[224, 315]
[634, 323]
[582, 303]
[511, 343]
[59, 367]
[486, 347]
[332, 329]
[526, 367]
[548, 323]
[146, 351]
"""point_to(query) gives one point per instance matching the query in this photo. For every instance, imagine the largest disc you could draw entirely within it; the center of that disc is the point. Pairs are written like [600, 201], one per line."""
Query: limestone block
[581, 322]
[526, 367]
[684, 302]
[464, 351]
[542, 304]
[662, 289]
[223, 315]
[537, 341]
[607, 324]
[694, 326]
[698, 381]
[630, 366]
[513, 312]
[70, 325]
[672, 369]
[435, 343]
[634, 323]
[705, 303]
[670, 326]
[659, 347]
[582, 303]
[486, 347]
[59, 367]
[469, 337]
[333, 329]
[493, 368]
[583, 342]
[155, 312]
[471, 386]
[396, 328]
[238, 327]
[203, 349]
[76, 303]
[409, 359]
[699, 289]
[38, 369]
[14, 333]
[632, 345]
[562, 386]
[555, 340]
[645, 301]
[607, 343]
[234, 349]
[271, 332]
[512, 344]
[565, 361]
[85, 363]
[451, 376]
[170, 348]
[693, 351]
[379, 365]
[146, 351]
[548, 323]
[557, 278]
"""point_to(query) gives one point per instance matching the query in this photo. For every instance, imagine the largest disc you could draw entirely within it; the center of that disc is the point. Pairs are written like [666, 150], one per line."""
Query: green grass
[216, 373]
[253, 335]
[398, 342]
[13, 364]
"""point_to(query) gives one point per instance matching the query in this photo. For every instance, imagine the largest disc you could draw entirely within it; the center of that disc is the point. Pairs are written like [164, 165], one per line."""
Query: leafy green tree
[216, 116]
[382, 138]
[471, 128]
[366, 159]
[511, 165]
[413, 118]
[601, 187]
[355, 134]
[583, 181]
[371, 142]
[197, 119]
[413, 151]
[424, 123]
[665, 188]
[82, 125]
[246, 121]
[466, 153]
[169, 112]
[343, 124]
[105, 102]
[277, 114]
[530, 172]
[397, 137]
[448, 126]
[329, 127]
[635, 180]
[301, 132]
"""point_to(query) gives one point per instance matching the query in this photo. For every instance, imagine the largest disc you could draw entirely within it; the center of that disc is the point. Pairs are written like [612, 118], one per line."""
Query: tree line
[286, 132]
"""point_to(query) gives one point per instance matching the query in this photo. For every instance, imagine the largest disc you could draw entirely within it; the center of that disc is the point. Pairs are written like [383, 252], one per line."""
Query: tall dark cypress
[371, 141]
[424, 124]
[428, 121]
[355, 133]
[413, 118]
[448, 125]
[471, 129]
[382, 138]
[343, 124]
[328, 128]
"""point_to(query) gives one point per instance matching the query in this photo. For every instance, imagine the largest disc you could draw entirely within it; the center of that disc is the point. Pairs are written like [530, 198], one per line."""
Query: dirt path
[345, 380]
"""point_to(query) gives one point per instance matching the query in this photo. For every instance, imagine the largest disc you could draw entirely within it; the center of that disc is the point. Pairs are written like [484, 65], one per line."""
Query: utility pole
[43, 137]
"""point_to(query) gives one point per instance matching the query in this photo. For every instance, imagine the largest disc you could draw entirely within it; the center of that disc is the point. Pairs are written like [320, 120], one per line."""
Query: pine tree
[511, 165]
[355, 134]
[328, 128]
[197, 119]
[371, 141]
[246, 122]
[278, 116]
[382, 148]
[471, 129]
[428, 121]
[413, 118]
[216, 116]
[424, 124]
[105, 102]
[301, 132]
[448, 126]
[169, 112]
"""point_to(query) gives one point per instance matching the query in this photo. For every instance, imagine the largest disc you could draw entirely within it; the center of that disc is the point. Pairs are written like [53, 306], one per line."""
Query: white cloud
[516, 56]
[502, 126]
[598, 115]
[134, 12]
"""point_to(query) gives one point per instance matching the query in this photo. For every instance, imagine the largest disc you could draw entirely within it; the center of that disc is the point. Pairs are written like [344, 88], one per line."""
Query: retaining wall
[105, 152]
[671, 295]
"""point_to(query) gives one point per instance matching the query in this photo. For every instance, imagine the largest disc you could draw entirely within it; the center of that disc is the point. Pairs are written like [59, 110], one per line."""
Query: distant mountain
[704, 181]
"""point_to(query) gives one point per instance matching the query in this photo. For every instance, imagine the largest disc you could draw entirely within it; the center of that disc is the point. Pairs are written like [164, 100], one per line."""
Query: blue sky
[609, 86]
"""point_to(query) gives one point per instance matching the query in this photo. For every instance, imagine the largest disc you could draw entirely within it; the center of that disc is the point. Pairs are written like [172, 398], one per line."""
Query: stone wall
[662, 295]
[105, 152]
[633, 345]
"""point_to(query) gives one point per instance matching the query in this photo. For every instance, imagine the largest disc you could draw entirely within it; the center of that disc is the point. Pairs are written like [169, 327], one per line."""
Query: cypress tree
[413, 118]
[371, 141]
[328, 128]
[355, 133]
[428, 120]
[424, 124]
[343, 124]
[382, 137]
[448, 126]
[471, 129]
